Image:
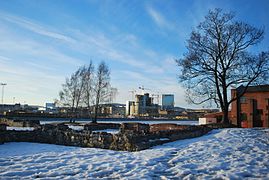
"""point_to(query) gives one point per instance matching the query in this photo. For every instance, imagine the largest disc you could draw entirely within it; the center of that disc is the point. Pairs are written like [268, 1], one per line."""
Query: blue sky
[43, 42]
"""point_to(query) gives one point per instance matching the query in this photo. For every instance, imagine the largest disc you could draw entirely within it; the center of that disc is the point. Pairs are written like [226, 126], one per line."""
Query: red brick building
[252, 109]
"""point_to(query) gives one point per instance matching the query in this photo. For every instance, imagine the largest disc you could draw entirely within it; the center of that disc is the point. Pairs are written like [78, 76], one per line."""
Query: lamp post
[3, 85]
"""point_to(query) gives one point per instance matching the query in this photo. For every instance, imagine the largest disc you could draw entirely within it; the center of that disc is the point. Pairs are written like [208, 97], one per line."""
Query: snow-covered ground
[111, 131]
[10, 128]
[76, 127]
[181, 122]
[221, 154]
[80, 128]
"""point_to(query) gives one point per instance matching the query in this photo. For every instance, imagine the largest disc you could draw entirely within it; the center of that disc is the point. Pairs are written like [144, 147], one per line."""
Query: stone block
[166, 127]
[47, 127]
[134, 128]
[101, 126]
[3, 127]
[62, 127]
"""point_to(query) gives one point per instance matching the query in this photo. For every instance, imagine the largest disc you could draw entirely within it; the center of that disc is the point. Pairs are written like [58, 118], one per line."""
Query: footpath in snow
[223, 154]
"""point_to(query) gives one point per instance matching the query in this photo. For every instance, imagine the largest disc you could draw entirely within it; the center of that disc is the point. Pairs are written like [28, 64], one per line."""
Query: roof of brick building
[260, 88]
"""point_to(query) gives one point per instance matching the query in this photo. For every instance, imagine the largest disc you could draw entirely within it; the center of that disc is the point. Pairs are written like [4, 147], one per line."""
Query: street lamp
[3, 85]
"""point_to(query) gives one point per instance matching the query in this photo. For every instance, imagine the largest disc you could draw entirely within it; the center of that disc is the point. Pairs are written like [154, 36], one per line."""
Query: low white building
[207, 121]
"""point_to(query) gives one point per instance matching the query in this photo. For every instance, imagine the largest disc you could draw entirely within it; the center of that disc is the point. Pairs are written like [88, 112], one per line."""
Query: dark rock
[166, 127]
[134, 128]
[62, 127]
[101, 126]
[3, 127]
[47, 127]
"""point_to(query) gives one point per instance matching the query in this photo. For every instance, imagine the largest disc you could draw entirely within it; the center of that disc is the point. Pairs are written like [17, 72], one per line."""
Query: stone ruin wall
[20, 123]
[131, 136]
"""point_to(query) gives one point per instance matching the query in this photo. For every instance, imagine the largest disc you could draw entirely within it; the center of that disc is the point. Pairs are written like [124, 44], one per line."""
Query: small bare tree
[88, 92]
[71, 94]
[87, 88]
[102, 84]
[217, 60]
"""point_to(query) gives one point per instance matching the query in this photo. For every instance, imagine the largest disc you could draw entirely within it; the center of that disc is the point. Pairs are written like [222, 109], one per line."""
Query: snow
[181, 122]
[161, 139]
[221, 154]
[76, 128]
[10, 128]
[111, 131]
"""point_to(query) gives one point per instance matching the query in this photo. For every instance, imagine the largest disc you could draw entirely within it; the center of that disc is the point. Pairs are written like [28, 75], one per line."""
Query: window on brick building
[243, 116]
[259, 111]
[243, 99]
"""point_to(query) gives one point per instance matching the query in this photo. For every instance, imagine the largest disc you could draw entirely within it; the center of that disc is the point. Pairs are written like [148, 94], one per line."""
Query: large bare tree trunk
[225, 118]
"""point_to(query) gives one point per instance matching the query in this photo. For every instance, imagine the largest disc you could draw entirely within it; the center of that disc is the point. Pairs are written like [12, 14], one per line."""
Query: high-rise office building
[168, 101]
[130, 105]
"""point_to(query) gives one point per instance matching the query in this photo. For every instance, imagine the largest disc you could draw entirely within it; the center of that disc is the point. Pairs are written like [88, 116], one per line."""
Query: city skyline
[44, 42]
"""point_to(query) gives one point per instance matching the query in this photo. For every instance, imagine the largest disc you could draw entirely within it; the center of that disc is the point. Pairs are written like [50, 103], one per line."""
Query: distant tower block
[3, 85]
[130, 111]
[168, 101]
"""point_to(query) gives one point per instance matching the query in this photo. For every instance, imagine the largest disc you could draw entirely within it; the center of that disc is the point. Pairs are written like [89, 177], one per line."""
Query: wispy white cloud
[169, 63]
[116, 49]
[28, 84]
[41, 60]
[32, 70]
[159, 18]
[18, 44]
[4, 59]
[200, 9]
[40, 66]
[174, 26]
[106, 47]
[134, 75]
[34, 27]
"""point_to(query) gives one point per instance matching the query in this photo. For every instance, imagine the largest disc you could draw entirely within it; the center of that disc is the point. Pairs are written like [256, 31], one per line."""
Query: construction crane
[133, 94]
[112, 94]
[143, 88]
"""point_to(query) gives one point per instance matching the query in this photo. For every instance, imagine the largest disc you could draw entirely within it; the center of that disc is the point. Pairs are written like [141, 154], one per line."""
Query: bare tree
[102, 84]
[68, 93]
[86, 88]
[80, 86]
[71, 94]
[217, 60]
[88, 92]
